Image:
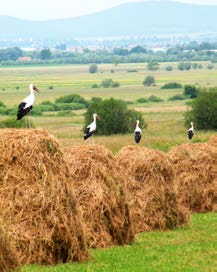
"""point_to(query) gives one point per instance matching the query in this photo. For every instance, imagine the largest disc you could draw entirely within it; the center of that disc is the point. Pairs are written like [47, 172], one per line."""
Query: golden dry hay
[8, 258]
[149, 178]
[101, 195]
[37, 199]
[196, 170]
[213, 141]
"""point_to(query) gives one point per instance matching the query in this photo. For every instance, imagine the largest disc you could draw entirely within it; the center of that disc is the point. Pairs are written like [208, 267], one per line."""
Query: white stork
[137, 132]
[90, 130]
[191, 131]
[27, 104]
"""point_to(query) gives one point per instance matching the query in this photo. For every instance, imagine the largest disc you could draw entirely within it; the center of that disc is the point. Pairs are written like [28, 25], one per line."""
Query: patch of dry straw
[8, 258]
[37, 199]
[149, 178]
[213, 141]
[101, 195]
[196, 170]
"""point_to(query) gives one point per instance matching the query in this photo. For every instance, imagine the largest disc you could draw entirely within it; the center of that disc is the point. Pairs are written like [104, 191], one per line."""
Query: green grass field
[165, 119]
[192, 249]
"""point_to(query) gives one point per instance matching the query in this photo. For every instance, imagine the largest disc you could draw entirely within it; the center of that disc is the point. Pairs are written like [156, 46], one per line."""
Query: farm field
[192, 248]
[165, 119]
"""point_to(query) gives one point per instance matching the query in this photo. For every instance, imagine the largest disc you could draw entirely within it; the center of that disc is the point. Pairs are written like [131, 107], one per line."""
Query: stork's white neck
[31, 89]
[137, 124]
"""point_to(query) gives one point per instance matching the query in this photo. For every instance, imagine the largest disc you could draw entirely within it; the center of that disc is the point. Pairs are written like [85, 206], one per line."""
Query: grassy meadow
[191, 248]
[165, 119]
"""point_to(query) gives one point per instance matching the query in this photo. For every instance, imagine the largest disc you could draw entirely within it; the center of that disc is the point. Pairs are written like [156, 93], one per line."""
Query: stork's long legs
[29, 119]
[92, 140]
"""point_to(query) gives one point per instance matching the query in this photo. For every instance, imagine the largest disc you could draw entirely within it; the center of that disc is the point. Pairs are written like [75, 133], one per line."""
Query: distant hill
[140, 18]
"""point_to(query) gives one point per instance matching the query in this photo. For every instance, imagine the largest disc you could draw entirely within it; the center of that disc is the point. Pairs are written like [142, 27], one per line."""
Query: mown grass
[192, 248]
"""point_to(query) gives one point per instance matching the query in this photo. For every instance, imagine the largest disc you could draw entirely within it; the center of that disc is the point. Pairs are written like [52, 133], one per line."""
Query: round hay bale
[196, 170]
[101, 195]
[149, 179]
[8, 258]
[37, 199]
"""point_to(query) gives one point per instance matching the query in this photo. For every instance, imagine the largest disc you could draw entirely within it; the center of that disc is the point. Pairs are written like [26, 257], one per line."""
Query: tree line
[182, 53]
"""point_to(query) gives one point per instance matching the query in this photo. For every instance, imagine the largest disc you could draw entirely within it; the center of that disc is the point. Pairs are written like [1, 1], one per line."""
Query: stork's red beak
[97, 116]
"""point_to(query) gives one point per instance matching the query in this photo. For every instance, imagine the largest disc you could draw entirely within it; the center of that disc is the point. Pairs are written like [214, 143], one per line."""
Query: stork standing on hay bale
[191, 131]
[90, 130]
[27, 104]
[137, 132]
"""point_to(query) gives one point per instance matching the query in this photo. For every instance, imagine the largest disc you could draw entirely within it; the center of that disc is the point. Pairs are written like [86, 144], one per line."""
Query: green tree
[138, 49]
[93, 68]
[115, 117]
[153, 66]
[203, 111]
[148, 81]
[45, 54]
[169, 68]
[191, 91]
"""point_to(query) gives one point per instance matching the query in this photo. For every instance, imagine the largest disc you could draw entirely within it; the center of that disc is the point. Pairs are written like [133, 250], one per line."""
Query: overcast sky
[53, 9]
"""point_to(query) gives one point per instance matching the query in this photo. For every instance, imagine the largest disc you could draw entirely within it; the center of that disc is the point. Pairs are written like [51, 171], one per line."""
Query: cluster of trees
[107, 83]
[184, 53]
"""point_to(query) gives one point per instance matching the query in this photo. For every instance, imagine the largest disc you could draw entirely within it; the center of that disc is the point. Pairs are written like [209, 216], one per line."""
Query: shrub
[142, 100]
[93, 68]
[115, 117]
[69, 106]
[210, 67]
[115, 84]
[154, 98]
[184, 66]
[17, 87]
[95, 85]
[12, 122]
[72, 98]
[106, 83]
[96, 99]
[50, 87]
[132, 71]
[177, 97]
[148, 81]
[169, 68]
[172, 85]
[203, 110]
[2, 105]
[191, 91]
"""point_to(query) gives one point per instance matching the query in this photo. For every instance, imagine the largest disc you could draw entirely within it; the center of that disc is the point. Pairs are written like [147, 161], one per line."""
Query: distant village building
[24, 58]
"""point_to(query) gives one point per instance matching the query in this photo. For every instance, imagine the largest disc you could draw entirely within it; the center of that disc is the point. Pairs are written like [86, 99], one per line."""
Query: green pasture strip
[192, 248]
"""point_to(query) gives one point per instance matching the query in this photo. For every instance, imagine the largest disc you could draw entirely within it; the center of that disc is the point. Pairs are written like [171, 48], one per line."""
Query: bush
[95, 85]
[148, 81]
[93, 68]
[191, 91]
[115, 117]
[12, 122]
[2, 105]
[203, 112]
[184, 66]
[172, 85]
[177, 97]
[50, 87]
[17, 87]
[142, 100]
[210, 67]
[69, 106]
[154, 98]
[132, 71]
[72, 98]
[115, 84]
[106, 83]
[169, 68]
[96, 99]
